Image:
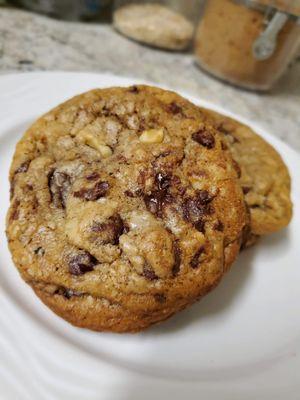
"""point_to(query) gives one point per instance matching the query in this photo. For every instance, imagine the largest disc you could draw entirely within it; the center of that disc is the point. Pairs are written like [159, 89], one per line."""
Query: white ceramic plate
[240, 342]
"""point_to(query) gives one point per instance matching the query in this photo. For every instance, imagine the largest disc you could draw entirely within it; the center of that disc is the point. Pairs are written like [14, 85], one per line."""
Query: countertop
[30, 42]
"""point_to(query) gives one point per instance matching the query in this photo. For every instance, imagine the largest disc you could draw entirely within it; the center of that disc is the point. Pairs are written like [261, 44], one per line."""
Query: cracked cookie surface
[125, 207]
[265, 178]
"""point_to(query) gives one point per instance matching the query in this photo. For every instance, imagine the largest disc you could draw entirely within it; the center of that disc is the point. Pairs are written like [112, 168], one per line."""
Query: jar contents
[154, 24]
[229, 43]
[293, 5]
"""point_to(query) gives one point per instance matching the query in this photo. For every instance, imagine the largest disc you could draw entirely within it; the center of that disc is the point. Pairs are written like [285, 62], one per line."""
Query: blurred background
[243, 55]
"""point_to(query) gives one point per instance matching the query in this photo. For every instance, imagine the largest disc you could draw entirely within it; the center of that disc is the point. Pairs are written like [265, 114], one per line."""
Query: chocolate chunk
[157, 200]
[105, 111]
[177, 258]
[162, 181]
[23, 167]
[128, 193]
[93, 176]
[160, 298]
[246, 189]
[111, 230]
[194, 208]
[133, 89]
[195, 260]
[204, 138]
[176, 182]
[152, 203]
[149, 273]
[94, 193]
[203, 197]
[160, 197]
[174, 108]
[67, 293]
[82, 263]
[191, 211]
[200, 225]
[39, 251]
[219, 226]
[59, 184]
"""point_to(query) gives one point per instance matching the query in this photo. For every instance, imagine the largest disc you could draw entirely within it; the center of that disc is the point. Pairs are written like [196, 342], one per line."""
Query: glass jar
[247, 43]
[68, 9]
[164, 24]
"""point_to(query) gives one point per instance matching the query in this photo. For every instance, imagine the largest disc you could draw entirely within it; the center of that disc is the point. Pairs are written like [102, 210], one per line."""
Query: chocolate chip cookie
[125, 208]
[265, 179]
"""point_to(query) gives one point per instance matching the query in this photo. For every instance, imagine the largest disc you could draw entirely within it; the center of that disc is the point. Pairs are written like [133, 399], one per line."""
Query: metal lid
[287, 6]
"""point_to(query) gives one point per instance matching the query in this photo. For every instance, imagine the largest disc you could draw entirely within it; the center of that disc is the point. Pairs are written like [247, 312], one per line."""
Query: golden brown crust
[264, 177]
[123, 199]
[99, 314]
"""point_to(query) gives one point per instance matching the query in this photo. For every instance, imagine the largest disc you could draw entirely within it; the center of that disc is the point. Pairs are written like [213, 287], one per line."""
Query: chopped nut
[105, 150]
[152, 136]
[88, 138]
[197, 182]
[92, 141]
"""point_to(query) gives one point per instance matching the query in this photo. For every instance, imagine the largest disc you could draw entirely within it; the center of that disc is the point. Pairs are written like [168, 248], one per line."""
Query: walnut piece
[152, 136]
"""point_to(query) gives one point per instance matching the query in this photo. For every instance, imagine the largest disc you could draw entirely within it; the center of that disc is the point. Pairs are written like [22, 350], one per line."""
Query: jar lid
[288, 6]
